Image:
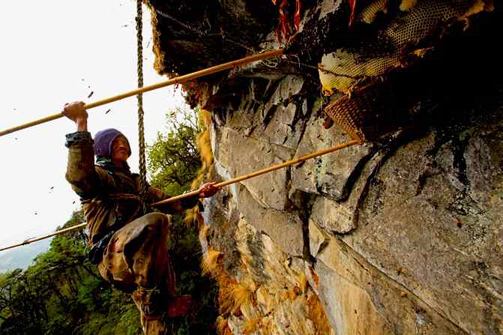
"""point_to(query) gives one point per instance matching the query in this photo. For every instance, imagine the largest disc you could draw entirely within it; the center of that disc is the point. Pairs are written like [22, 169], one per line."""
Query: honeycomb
[351, 70]
[368, 113]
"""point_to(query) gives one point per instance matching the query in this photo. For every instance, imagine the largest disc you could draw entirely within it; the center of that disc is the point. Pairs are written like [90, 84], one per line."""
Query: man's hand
[208, 190]
[76, 112]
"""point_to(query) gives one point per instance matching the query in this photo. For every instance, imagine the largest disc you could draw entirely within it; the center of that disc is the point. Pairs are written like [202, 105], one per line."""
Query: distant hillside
[22, 256]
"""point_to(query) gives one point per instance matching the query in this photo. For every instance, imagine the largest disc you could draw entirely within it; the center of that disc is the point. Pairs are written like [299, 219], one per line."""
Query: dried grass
[156, 36]
[222, 326]
[303, 283]
[206, 154]
[209, 262]
[193, 217]
[251, 325]
[203, 232]
[317, 315]
[234, 297]
[203, 139]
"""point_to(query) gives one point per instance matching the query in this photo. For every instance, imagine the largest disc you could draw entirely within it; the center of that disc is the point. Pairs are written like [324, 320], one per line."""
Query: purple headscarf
[103, 142]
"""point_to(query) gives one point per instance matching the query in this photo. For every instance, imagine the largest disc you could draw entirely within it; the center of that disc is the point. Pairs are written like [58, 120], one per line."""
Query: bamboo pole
[222, 184]
[263, 171]
[28, 241]
[173, 81]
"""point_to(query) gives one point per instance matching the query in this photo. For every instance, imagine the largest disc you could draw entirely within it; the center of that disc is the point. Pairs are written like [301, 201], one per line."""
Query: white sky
[53, 52]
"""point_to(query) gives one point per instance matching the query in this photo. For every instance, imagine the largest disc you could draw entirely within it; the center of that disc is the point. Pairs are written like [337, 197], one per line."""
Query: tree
[174, 164]
[62, 293]
[173, 158]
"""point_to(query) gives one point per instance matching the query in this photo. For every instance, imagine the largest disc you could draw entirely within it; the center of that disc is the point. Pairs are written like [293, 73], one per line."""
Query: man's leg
[136, 259]
[147, 253]
[152, 260]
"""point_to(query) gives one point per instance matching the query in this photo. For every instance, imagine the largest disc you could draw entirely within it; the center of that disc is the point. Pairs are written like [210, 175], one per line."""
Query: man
[128, 245]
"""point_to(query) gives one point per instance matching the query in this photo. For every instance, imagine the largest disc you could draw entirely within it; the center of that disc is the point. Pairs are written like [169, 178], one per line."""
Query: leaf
[352, 6]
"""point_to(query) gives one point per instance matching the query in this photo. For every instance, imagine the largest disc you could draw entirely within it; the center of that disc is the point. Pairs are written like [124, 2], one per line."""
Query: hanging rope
[141, 129]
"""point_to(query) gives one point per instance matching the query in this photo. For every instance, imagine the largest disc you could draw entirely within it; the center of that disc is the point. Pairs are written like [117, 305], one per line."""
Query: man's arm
[207, 190]
[76, 112]
[155, 195]
[80, 172]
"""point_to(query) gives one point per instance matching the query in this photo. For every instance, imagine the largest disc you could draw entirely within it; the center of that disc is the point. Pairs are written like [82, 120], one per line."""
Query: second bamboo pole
[194, 193]
[35, 239]
[263, 171]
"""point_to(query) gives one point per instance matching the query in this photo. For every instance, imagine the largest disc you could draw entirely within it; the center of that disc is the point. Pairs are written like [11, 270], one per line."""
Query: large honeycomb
[369, 112]
[403, 39]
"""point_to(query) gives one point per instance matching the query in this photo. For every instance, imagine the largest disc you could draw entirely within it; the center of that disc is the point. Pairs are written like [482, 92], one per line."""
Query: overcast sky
[53, 52]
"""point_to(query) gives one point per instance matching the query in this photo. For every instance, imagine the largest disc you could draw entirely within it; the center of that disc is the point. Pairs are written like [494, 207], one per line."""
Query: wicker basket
[369, 112]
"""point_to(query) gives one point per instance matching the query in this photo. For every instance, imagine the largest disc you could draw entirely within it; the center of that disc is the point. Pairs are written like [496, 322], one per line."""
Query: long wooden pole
[263, 171]
[28, 241]
[222, 184]
[173, 81]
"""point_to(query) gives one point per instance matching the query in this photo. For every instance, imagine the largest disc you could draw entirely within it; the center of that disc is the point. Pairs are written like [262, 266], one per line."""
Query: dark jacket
[109, 195]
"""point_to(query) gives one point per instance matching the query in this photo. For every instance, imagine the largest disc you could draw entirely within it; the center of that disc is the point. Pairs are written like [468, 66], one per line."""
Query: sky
[58, 51]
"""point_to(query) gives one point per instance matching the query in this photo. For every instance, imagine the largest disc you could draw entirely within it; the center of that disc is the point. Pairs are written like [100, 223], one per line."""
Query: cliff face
[402, 234]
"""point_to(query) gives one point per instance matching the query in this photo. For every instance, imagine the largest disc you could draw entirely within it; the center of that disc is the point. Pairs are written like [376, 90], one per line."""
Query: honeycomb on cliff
[403, 40]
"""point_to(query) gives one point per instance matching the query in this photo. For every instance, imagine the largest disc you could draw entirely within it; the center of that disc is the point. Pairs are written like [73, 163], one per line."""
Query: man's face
[120, 150]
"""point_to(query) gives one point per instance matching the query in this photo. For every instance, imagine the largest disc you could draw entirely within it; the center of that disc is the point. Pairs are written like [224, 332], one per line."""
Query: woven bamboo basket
[369, 112]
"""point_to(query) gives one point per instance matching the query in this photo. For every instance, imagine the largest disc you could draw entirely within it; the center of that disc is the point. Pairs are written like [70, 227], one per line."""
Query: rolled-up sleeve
[80, 171]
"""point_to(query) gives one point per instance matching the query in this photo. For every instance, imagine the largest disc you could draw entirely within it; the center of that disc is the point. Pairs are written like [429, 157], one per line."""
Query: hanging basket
[369, 112]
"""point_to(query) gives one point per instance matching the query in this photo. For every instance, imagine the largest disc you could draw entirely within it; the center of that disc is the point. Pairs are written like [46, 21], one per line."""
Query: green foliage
[173, 158]
[62, 293]
[185, 252]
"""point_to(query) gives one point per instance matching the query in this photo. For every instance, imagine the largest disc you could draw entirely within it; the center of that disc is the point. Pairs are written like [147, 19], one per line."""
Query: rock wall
[401, 238]
[400, 235]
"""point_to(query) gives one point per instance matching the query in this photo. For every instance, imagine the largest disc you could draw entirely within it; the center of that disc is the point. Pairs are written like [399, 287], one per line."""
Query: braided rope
[141, 129]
